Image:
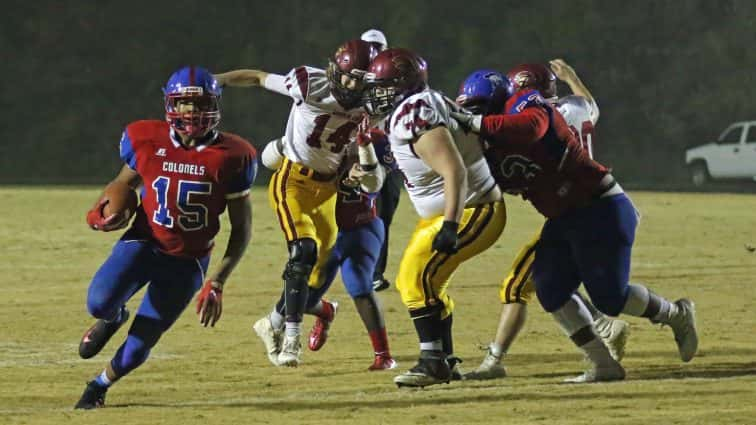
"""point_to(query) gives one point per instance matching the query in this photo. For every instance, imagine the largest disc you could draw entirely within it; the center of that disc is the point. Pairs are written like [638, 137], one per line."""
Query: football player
[451, 187]
[325, 113]
[190, 172]
[388, 199]
[589, 230]
[359, 240]
[481, 92]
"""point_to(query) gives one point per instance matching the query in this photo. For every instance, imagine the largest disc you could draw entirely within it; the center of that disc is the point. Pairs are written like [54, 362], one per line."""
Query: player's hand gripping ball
[114, 210]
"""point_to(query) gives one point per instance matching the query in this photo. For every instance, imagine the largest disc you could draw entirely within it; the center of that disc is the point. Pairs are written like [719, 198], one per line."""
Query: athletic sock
[643, 303]
[103, 381]
[495, 350]
[293, 329]
[379, 339]
[595, 314]
[446, 335]
[276, 319]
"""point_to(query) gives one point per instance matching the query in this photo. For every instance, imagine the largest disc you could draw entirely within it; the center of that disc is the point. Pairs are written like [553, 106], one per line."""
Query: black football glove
[446, 238]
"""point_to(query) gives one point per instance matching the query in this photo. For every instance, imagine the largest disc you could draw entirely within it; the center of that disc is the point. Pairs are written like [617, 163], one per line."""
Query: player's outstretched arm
[209, 303]
[437, 149]
[566, 73]
[242, 78]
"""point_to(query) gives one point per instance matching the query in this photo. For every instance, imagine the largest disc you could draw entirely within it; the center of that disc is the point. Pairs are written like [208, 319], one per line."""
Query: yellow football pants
[424, 274]
[519, 287]
[305, 209]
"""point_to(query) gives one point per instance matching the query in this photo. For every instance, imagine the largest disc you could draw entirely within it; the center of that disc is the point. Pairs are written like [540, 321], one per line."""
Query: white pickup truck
[732, 156]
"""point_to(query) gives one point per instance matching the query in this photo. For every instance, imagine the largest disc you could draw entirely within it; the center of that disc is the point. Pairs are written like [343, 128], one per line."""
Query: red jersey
[354, 207]
[532, 152]
[185, 188]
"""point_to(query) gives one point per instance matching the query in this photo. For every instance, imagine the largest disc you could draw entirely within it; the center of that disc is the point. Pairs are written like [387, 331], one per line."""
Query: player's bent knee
[303, 251]
[610, 307]
[100, 306]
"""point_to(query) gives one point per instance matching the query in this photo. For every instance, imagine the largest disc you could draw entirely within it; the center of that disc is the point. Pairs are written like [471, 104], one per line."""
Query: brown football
[122, 201]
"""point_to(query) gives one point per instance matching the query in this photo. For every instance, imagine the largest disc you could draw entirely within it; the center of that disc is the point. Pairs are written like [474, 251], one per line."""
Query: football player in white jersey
[325, 113]
[581, 113]
[450, 186]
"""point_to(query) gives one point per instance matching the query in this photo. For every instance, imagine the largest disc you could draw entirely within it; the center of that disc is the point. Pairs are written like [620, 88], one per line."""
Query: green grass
[688, 245]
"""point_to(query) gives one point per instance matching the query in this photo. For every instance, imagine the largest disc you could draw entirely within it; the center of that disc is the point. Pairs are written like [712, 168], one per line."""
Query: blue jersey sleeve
[384, 154]
[527, 99]
[241, 181]
[126, 149]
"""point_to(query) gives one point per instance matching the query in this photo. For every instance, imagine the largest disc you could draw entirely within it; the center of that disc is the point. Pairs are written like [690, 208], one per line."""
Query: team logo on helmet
[523, 78]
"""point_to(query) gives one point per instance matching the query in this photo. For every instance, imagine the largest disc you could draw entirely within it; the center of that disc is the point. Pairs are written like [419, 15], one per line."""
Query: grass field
[688, 245]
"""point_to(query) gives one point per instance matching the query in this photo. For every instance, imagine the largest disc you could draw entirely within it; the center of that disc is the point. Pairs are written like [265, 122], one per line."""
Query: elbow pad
[272, 156]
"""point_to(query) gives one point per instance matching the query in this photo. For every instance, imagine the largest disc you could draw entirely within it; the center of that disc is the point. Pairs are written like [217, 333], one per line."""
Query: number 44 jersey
[185, 189]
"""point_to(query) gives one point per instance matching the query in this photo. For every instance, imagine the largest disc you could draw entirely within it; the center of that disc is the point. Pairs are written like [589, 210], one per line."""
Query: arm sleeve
[373, 182]
[126, 150]
[525, 127]
[276, 83]
[243, 176]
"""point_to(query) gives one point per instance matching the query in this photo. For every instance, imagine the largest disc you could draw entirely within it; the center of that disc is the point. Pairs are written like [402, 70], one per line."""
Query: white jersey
[416, 115]
[581, 115]
[318, 128]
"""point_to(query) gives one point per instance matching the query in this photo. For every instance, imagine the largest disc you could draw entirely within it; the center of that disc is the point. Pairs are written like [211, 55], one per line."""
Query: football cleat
[93, 397]
[99, 334]
[456, 371]
[271, 337]
[614, 333]
[427, 371]
[683, 324]
[291, 350]
[383, 362]
[490, 368]
[319, 332]
[612, 371]
[380, 284]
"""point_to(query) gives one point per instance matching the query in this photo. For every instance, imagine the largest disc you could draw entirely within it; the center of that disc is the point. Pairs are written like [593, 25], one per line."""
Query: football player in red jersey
[481, 91]
[190, 173]
[589, 231]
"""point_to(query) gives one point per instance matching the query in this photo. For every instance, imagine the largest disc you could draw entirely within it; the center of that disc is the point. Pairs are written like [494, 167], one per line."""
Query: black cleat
[99, 334]
[427, 371]
[380, 284]
[456, 372]
[93, 397]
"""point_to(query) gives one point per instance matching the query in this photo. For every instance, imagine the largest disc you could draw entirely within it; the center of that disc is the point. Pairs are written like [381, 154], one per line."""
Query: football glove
[446, 239]
[95, 218]
[210, 303]
[468, 121]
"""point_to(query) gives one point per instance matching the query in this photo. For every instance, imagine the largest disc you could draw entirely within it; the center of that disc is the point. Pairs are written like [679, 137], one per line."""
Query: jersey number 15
[192, 215]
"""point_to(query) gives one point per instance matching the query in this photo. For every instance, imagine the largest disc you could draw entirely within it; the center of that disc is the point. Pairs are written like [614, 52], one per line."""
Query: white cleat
[605, 373]
[290, 351]
[614, 334]
[490, 368]
[271, 337]
[683, 324]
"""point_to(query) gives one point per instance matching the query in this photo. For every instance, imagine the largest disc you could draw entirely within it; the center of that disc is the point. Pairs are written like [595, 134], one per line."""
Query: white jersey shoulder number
[415, 116]
[580, 116]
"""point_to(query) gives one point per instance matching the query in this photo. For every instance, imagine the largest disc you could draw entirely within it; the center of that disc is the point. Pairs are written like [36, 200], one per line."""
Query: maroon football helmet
[346, 70]
[534, 76]
[394, 75]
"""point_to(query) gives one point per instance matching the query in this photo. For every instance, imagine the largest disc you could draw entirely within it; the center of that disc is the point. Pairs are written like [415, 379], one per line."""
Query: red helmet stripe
[192, 76]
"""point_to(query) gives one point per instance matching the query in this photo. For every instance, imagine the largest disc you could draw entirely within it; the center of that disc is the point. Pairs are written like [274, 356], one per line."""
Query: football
[122, 201]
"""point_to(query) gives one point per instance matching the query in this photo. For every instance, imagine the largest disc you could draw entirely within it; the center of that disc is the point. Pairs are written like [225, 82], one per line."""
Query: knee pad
[303, 251]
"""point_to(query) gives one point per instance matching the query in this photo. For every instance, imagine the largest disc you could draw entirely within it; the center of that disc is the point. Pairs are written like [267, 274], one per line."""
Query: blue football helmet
[485, 91]
[192, 101]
